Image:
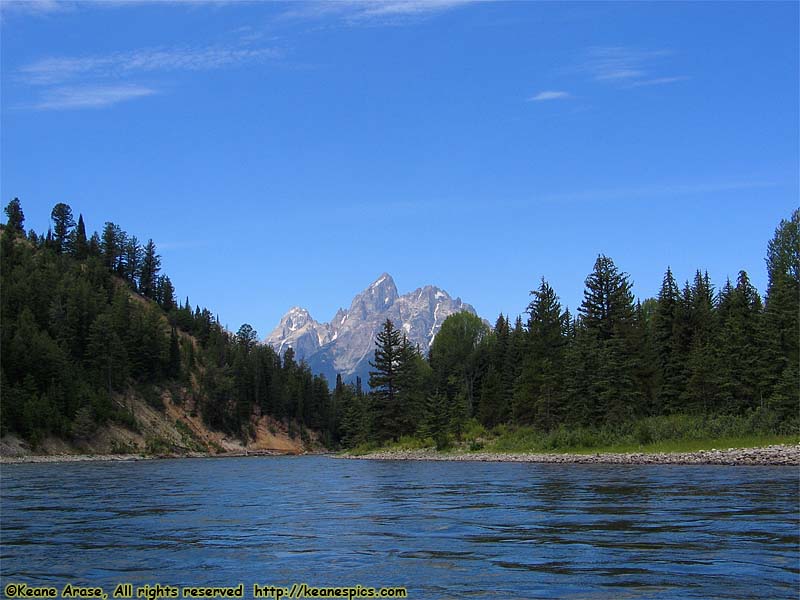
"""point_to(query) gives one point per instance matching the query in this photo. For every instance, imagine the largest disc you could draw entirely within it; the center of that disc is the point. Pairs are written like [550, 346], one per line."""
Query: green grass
[404, 443]
[362, 449]
[673, 433]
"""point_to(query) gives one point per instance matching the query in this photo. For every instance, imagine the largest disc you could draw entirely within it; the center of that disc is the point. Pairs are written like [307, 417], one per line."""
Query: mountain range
[346, 344]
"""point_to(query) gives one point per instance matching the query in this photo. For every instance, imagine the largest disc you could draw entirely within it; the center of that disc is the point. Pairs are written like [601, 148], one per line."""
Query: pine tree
[438, 420]
[582, 366]
[80, 245]
[247, 337]
[412, 382]
[780, 327]
[289, 364]
[112, 246]
[151, 265]
[646, 359]
[540, 386]
[493, 403]
[570, 325]
[352, 406]
[664, 326]
[387, 418]
[165, 295]
[512, 367]
[94, 247]
[607, 306]
[739, 346]
[608, 320]
[702, 383]
[681, 347]
[16, 218]
[132, 258]
[62, 225]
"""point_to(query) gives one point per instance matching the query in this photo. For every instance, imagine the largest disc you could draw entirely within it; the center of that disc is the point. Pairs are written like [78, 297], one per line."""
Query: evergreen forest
[86, 319]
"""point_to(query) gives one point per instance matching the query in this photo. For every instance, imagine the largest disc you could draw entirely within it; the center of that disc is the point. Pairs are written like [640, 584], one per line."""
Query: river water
[440, 529]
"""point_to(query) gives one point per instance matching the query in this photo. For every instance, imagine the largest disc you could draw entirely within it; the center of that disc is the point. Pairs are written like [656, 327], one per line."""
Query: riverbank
[784, 455]
[64, 458]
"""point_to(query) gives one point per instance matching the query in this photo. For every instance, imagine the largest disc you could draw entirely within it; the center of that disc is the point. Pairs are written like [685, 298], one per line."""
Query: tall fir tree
[664, 327]
[740, 353]
[538, 393]
[151, 266]
[607, 313]
[80, 245]
[701, 393]
[387, 417]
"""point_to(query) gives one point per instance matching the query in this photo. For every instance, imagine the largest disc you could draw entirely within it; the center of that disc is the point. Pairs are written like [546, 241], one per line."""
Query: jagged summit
[299, 330]
[376, 299]
[345, 344]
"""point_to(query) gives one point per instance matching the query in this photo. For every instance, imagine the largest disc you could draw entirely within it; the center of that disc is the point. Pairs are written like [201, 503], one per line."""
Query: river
[440, 529]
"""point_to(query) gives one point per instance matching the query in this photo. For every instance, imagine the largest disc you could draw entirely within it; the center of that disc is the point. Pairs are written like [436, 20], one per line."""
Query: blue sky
[286, 154]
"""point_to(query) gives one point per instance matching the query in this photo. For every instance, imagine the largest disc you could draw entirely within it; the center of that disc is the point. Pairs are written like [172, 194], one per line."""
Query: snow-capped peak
[346, 344]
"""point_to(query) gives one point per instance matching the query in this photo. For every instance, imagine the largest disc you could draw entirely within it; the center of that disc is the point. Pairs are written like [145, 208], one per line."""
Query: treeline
[86, 320]
[693, 351]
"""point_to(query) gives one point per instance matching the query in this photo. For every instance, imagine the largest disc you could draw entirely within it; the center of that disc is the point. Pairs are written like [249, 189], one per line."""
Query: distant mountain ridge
[345, 345]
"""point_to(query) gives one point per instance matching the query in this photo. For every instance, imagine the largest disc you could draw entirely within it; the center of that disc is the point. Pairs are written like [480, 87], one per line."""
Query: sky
[284, 154]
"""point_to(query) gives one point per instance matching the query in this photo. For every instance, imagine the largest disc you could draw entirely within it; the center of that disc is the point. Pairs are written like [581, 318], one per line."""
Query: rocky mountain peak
[377, 298]
[298, 330]
[345, 344]
[296, 318]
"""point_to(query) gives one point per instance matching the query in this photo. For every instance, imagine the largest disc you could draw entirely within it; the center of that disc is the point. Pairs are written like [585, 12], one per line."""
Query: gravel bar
[770, 455]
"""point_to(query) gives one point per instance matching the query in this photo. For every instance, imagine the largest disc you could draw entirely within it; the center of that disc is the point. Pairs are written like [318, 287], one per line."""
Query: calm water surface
[443, 530]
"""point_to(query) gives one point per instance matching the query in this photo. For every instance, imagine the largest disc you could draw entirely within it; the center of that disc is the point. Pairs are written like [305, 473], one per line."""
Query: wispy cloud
[42, 8]
[627, 66]
[618, 66]
[73, 82]
[658, 81]
[33, 7]
[91, 96]
[373, 12]
[54, 70]
[549, 95]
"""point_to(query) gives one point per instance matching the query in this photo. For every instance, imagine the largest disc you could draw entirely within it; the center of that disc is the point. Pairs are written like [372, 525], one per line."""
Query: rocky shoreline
[57, 458]
[62, 458]
[783, 455]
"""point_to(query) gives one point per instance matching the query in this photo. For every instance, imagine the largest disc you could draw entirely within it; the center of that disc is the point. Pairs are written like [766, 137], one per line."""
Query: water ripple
[444, 530]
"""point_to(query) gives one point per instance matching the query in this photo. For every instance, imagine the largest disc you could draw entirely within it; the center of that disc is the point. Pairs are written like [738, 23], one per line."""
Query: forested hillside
[87, 320]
